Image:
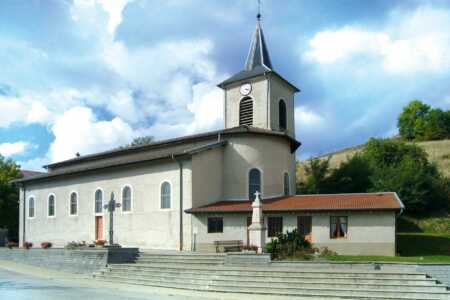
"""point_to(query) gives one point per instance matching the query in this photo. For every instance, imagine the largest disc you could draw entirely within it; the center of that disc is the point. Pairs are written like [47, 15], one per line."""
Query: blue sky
[89, 75]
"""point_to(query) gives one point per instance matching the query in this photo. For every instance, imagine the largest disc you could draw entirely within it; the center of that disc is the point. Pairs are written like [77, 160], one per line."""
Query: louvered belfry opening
[246, 111]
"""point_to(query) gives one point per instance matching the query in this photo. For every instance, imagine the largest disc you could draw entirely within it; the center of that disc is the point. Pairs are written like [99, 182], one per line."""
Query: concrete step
[184, 261]
[183, 254]
[268, 282]
[329, 292]
[288, 278]
[248, 271]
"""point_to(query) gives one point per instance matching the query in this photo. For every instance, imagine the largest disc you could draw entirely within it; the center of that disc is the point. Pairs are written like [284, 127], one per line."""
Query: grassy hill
[438, 152]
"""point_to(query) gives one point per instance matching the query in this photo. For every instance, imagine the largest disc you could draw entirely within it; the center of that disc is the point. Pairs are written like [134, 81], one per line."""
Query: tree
[139, 141]
[435, 125]
[404, 168]
[407, 120]
[9, 196]
[316, 170]
[352, 176]
[142, 140]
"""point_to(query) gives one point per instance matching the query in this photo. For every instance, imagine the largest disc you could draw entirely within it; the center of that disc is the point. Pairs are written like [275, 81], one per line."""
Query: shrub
[289, 244]
[75, 245]
[12, 244]
[27, 245]
[46, 245]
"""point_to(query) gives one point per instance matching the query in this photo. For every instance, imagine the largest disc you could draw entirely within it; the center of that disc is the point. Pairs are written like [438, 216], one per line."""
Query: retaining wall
[84, 261]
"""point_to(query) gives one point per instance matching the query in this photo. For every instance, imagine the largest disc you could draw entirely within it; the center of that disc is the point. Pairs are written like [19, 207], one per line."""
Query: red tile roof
[361, 201]
[28, 173]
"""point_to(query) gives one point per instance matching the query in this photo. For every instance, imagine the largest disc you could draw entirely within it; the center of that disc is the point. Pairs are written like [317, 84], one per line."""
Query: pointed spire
[258, 54]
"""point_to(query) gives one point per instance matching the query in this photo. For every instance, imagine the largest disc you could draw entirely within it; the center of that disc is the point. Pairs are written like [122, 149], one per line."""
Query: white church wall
[207, 177]
[260, 108]
[369, 233]
[146, 226]
[280, 90]
[271, 155]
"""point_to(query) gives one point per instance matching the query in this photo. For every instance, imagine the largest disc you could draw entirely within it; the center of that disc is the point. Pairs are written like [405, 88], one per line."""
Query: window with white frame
[338, 227]
[31, 204]
[254, 183]
[126, 198]
[286, 184]
[165, 195]
[51, 206]
[73, 210]
[98, 201]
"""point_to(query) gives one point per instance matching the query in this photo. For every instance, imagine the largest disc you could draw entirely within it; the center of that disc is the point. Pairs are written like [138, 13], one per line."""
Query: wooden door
[304, 226]
[98, 228]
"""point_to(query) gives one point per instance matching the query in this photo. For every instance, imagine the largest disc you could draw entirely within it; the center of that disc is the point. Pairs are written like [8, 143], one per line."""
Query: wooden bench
[229, 245]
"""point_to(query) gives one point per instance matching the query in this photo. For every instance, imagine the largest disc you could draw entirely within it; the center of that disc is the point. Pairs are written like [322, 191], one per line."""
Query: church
[192, 192]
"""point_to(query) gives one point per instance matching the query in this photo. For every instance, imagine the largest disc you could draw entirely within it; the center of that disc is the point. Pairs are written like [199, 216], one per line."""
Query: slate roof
[329, 202]
[166, 149]
[258, 61]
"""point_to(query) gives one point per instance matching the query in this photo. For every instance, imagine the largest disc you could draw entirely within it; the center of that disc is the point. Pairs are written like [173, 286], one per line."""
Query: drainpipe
[180, 166]
[24, 213]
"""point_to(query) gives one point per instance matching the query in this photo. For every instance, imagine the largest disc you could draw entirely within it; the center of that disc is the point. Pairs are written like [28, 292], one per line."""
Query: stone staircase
[210, 273]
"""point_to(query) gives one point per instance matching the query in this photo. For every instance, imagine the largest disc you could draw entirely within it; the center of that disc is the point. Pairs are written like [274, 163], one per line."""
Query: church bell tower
[258, 96]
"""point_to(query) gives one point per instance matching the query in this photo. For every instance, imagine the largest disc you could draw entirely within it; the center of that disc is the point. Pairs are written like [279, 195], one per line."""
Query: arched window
[73, 204]
[282, 118]
[254, 183]
[246, 111]
[98, 201]
[165, 195]
[51, 205]
[126, 198]
[31, 207]
[286, 184]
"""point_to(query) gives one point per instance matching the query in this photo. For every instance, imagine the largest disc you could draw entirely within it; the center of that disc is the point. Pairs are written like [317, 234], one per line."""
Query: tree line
[383, 166]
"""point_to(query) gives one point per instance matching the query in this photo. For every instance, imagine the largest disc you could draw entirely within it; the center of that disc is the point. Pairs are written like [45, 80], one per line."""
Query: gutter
[180, 166]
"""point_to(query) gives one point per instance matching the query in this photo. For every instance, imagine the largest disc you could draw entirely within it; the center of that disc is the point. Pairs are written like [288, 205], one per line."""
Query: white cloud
[10, 149]
[78, 130]
[402, 46]
[306, 118]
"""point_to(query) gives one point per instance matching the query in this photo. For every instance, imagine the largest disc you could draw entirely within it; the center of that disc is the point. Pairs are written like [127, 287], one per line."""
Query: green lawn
[412, 247]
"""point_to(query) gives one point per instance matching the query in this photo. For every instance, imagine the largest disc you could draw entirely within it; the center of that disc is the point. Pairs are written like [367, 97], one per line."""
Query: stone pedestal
[257, 230]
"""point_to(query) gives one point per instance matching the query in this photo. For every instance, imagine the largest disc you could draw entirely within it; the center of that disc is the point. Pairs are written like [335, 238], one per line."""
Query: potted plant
[27, 245]
[100, 243]
[46, 245]
[12, 244]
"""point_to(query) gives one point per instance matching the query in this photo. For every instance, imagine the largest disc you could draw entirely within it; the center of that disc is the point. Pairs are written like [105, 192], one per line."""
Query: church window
[51, 205]
[31, 207]
[73, 210]
[282, 118]
[338, 227]
[215, 225]
[98, 201]
[126, 198]
[286, 184]
[246, 111]
[165, 195]
[274, 226]
[254, 183]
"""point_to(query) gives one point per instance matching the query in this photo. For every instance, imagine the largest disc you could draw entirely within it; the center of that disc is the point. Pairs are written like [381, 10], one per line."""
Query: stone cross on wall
[257, 228]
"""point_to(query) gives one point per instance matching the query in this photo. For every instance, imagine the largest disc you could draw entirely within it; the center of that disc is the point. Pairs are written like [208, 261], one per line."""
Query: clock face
[246, 88]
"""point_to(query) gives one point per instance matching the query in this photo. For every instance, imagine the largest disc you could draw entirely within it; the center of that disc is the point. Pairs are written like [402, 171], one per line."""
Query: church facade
[188, 193]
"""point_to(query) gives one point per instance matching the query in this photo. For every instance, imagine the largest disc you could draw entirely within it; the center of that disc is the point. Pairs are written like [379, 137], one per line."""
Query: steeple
[258, 54]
